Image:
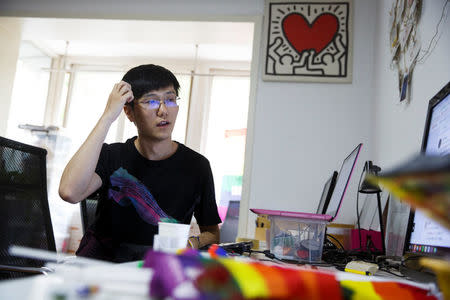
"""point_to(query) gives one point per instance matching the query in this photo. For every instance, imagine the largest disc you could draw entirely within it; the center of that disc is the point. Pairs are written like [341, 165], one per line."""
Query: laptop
[343, 178]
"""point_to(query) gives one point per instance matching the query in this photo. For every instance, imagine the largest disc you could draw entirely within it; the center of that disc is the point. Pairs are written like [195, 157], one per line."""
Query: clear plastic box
[296, 238]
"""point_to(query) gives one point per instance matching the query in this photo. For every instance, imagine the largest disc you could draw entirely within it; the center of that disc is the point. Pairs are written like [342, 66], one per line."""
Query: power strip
[237, 248]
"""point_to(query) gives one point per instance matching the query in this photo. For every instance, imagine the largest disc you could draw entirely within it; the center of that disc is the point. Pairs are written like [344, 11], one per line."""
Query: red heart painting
[303, 36]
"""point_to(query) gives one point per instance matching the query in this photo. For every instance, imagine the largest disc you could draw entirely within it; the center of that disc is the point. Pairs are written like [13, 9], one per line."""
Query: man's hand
[209, 235]
[119, 96]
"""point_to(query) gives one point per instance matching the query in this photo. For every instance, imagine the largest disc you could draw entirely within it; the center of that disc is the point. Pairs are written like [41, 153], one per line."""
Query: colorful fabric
[127, 189]
[226, 278]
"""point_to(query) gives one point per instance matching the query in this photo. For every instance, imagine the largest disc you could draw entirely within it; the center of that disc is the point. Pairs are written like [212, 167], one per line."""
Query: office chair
[24, 212]
[88, 208]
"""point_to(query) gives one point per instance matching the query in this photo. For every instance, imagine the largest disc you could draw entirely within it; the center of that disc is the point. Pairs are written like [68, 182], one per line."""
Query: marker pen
[358, 272]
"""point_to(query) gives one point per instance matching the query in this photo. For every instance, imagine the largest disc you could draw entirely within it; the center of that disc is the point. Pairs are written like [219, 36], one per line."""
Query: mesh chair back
[24, 212]
[88, 208]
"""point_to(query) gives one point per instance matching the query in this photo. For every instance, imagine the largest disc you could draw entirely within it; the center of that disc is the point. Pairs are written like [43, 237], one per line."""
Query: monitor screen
[426, 236]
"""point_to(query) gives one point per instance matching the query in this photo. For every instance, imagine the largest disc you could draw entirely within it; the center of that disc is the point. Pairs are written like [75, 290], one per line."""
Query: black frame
[86, 215]
[441, 95]
[328, 190]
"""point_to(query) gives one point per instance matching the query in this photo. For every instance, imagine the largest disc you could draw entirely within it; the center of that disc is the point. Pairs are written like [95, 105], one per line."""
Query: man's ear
[128, 109]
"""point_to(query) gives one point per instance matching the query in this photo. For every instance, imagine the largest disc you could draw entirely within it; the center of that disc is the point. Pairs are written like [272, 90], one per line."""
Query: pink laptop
[336, 199]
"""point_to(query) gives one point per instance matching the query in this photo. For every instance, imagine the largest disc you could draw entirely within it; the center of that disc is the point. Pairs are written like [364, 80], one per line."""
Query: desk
[66, 281]
[42, 287]
[17, 288]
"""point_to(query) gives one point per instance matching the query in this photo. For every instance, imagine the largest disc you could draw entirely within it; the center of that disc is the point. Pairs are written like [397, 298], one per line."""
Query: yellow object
[442, 269]
[341, 232]
[240, 271]
[260, 234]
[364, 290]
[262, 221]
[262, 225]
[357, 272]
[429, 192]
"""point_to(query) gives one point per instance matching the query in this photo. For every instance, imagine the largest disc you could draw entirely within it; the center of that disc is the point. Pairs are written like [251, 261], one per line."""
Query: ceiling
[229, 41]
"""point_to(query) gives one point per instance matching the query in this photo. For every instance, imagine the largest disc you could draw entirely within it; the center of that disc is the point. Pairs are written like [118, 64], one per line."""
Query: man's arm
[79, 179]
[208, 235]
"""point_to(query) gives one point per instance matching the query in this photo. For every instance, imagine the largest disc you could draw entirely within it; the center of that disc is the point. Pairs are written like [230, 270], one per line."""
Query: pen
[357, 272]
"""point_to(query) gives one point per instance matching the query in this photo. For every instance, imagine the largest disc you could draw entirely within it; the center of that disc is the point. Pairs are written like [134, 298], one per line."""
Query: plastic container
[296, 238]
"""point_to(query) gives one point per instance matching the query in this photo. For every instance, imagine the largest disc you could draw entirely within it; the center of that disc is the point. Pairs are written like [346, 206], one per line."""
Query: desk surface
[17, 288]
[65, 281]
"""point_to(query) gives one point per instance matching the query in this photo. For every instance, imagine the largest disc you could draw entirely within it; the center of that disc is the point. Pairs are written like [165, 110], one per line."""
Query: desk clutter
[212, 274]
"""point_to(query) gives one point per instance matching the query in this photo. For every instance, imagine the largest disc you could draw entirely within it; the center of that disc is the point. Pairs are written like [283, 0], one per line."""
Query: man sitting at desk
[148, 178]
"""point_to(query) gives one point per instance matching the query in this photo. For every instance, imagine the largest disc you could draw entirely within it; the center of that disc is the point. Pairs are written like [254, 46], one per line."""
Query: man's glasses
[149, 103]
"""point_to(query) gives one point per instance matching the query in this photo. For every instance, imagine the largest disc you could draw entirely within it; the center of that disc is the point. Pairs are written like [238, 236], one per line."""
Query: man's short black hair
[146, 78]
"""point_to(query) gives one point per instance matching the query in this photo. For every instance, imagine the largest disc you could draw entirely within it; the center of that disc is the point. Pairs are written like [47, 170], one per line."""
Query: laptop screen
[342, 182]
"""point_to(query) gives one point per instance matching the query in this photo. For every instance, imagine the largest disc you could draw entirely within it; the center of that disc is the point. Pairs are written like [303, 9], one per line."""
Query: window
[30, 89]
[226, 134]
[88, 100]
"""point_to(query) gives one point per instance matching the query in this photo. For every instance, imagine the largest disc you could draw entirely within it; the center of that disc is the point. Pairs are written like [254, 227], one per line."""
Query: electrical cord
[357, 208]
[272, 257]
[431, 46]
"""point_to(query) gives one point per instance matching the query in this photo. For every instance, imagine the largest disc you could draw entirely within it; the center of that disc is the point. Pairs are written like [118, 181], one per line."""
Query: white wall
[303, 131]
[399, 127]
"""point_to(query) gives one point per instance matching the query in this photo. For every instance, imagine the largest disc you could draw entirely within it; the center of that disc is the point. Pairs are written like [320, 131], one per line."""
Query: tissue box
[296, 238]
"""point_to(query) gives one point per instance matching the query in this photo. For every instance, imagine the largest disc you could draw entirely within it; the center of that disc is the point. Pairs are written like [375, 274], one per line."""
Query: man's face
[155, 113]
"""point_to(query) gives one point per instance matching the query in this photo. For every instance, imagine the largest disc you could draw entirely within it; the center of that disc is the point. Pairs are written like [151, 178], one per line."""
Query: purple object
[168, 273]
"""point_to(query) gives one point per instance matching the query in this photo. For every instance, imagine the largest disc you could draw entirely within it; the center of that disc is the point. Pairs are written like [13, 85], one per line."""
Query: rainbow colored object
[193, 276]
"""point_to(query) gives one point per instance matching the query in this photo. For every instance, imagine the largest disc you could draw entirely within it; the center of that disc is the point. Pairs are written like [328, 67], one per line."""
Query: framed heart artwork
[308, 41]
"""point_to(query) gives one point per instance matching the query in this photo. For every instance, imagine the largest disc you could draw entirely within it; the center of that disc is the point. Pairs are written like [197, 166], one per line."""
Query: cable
[322, 264]
[428, 52]
[357, 207]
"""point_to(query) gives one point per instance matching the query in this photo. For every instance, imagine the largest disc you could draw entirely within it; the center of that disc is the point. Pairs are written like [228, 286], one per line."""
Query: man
[148, 178]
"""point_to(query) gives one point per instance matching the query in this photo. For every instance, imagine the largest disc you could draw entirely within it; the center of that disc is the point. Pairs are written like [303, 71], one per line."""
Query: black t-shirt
[136, 193]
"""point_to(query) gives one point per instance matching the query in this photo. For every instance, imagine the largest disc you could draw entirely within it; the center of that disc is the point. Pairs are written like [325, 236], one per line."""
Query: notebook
[334, 205]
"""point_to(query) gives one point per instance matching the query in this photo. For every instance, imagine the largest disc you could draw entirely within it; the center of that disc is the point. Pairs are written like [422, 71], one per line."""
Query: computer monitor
[425, 236]
[327, 191]
[229, 228]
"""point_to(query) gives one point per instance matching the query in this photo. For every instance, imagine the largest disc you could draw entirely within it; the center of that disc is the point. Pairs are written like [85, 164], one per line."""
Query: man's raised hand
[119, 96]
